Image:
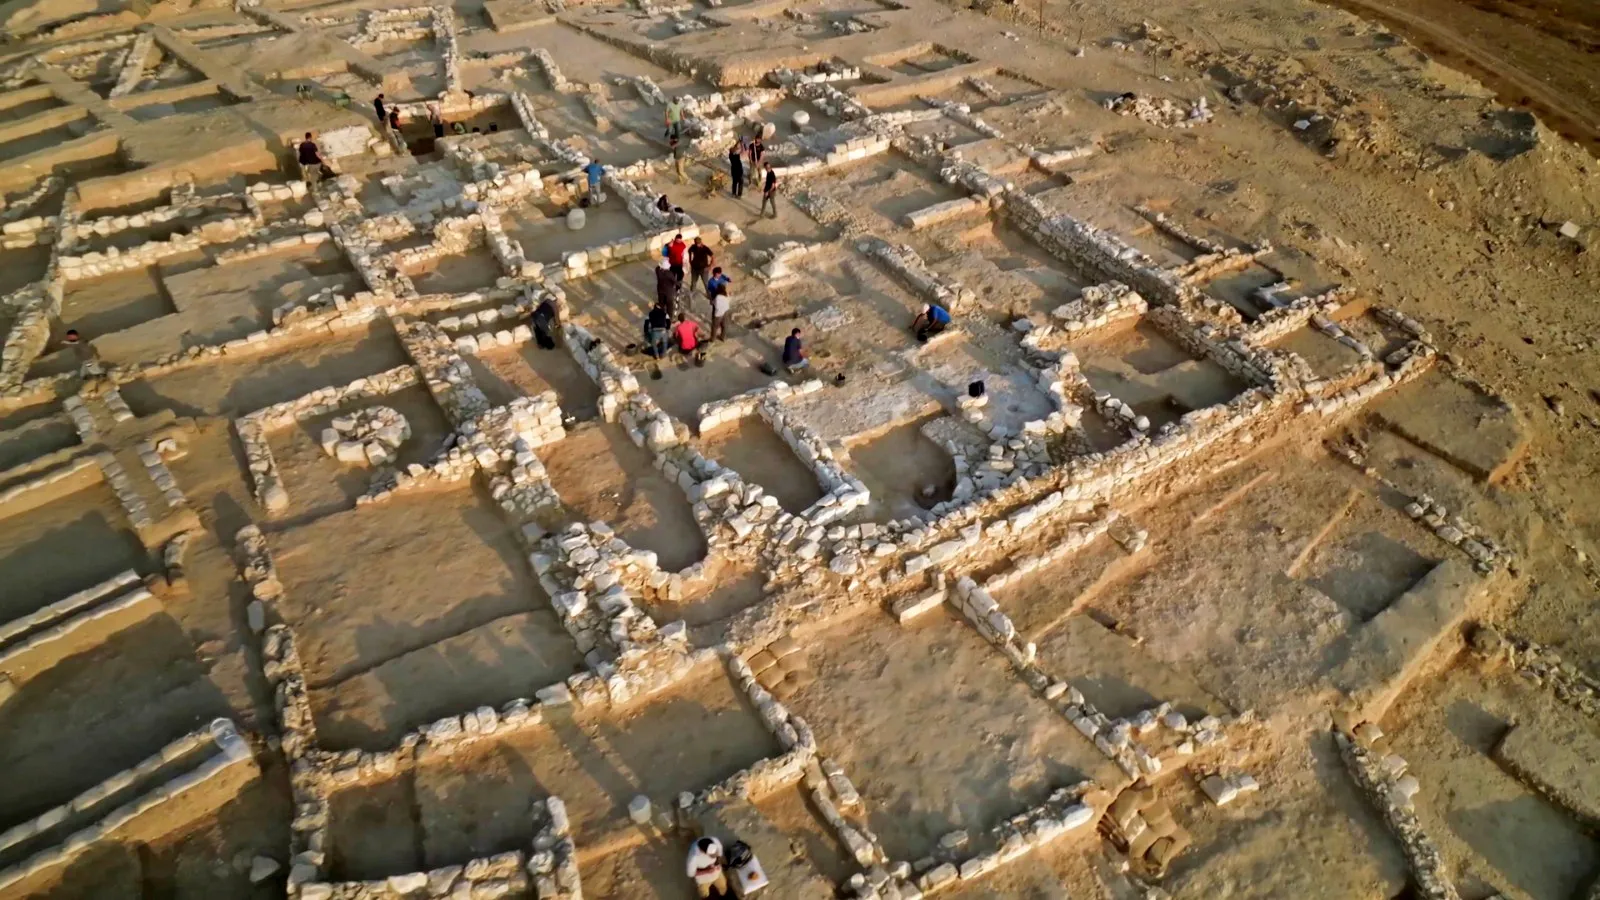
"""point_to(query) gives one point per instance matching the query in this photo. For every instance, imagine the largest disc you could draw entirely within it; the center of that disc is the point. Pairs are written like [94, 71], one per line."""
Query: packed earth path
[1235, 538]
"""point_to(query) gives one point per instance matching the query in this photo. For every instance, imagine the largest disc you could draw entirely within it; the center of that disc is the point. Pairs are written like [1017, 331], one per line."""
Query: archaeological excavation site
[364, 535]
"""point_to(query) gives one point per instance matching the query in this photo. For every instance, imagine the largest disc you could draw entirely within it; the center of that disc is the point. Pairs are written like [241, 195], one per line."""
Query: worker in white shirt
[705, 867]
[720, 304]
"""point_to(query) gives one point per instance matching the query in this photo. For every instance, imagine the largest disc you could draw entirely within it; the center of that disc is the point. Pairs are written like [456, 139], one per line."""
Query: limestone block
[1219, 790]
[554, 695]
[409, 884]
[938, 876]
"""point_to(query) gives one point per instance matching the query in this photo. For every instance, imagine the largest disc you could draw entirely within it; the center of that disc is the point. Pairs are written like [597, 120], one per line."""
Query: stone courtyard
[1157, 575]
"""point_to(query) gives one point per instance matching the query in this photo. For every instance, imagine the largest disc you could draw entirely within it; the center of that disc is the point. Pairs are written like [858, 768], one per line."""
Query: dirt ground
[906, 472]
[1536, 56]
[967, 747]
[475, 806]
[249, 385]
[751, 448]
[600, 474]
[67, 546]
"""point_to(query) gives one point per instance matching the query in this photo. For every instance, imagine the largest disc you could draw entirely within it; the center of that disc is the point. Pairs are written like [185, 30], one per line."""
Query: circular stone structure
[800, 119]
[366, 437]
[576, 219]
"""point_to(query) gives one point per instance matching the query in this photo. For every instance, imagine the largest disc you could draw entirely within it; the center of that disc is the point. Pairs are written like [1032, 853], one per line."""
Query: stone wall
[254, 428]
[94, 264]
[1099, 306]
[212, 764]
[72, 475]
[1383, 777]
[32, 644]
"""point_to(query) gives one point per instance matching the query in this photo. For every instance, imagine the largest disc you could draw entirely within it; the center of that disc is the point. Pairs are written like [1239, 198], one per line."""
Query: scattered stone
[262, 868]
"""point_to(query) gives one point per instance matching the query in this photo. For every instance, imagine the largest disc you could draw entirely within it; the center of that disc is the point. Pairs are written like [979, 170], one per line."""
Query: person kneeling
[688, 338]
[932, 320]
[795, 357]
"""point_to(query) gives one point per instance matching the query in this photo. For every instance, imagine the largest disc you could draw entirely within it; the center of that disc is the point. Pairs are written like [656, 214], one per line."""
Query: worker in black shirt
[769, 192]
[310, 160]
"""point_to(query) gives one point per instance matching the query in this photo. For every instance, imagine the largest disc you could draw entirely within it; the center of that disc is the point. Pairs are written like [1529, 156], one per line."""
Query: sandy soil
[35, 439]
[505, 658]
[67, 749]
[115, 302]
[731, 367]
[1495, 830]
[599, 473]
[528, 371]
[809, 839]
[214, 855]
[691, 738]
[997, 751]
[470, 271]
[905, 472]
[65, 546]
[318, 484]
[250, 384]
[1536, 55]
[751, 448]
[1243, 652]
[727, 589]
[378, 582]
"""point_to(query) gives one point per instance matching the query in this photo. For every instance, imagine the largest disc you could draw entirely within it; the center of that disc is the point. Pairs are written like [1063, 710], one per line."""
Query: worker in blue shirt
[717, 281]
[932, 320]
[594, 170]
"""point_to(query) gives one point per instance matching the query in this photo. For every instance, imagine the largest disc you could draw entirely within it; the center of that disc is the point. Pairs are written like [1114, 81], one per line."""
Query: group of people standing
[747, 160]
[667, 326]
[741, 177]
[389, 117]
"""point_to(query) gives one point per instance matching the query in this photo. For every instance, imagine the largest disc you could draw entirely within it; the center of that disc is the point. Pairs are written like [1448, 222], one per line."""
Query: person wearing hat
[666, 285]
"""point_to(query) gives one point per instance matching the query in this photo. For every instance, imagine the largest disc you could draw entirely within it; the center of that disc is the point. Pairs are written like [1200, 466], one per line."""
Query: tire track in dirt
[1573, 116]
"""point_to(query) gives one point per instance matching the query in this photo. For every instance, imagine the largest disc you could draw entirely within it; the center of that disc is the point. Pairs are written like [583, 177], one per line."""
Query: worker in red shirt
[676, 252]
[688, 335]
